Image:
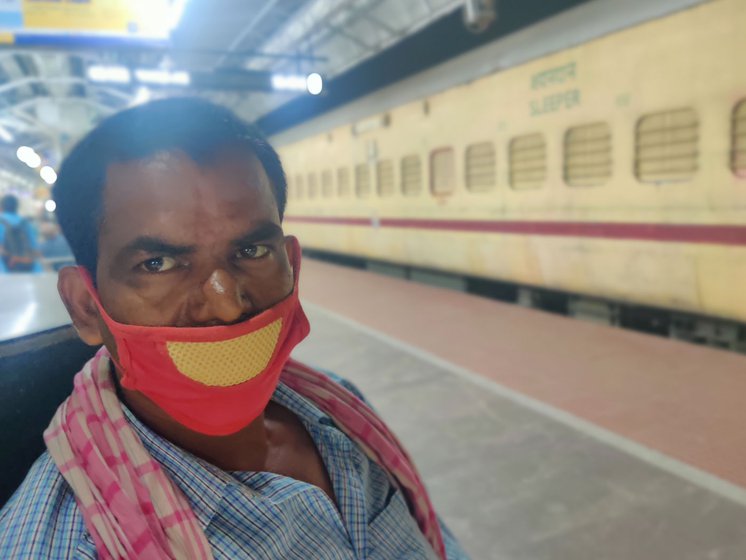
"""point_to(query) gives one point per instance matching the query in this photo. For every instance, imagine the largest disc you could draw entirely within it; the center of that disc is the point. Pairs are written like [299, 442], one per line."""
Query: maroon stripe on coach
[680, 233]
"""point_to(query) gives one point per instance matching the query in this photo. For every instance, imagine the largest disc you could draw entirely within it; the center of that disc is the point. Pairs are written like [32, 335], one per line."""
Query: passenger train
[609, 176]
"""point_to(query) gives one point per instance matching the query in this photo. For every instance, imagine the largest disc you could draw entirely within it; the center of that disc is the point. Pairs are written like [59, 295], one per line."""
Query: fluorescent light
[33, 160]
[24, 152]
[48, 174]
[176, 11]
[28, 156]
[163, 77]
[115, 74]
[50, 205]
[314, 83]
[142, 95]
[5, 134]
[288, 82]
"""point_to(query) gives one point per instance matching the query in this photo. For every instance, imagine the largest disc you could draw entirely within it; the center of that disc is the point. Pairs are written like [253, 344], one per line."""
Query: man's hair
[9, 204]
[198, 128]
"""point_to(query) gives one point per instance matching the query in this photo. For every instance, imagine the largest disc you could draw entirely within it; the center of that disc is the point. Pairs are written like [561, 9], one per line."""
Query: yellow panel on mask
[228, 362]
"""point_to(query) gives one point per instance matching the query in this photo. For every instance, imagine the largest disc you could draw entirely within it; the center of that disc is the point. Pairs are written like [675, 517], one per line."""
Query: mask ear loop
[88, 281]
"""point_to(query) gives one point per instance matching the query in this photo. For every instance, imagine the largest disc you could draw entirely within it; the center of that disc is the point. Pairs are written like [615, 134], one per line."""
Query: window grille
[666, 146]
[479, 165]
[343, 182]
[527, 161]
[362, 180]
[442, 171]
[385, 170]
[313, 187]
[327, 188]
[738, 149]
[411, 175]
[588, 155]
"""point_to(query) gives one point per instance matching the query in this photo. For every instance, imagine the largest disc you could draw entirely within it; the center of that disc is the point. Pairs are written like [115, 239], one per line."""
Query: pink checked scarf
[131, 507]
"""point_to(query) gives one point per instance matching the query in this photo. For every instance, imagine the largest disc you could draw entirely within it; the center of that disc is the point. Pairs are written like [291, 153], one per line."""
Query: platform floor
[542, 437]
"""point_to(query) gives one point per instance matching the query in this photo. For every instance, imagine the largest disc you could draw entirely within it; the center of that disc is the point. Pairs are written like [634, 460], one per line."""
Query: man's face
[182, 245]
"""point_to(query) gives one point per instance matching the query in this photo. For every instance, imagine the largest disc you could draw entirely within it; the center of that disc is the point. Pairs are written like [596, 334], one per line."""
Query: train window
[313, 187]
[343, 182]
[588, 155]
[411, 175]
[299, 186]
[666, 146]
[327, 188]
[442, 171]
[385, 171]
[738, 148]
[362, 179]
[527, 161]
[479, 165]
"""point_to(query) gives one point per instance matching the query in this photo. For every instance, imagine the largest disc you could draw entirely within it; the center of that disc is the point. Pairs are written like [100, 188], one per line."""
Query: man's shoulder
[344, 382]
[41, 519]
[11, 220]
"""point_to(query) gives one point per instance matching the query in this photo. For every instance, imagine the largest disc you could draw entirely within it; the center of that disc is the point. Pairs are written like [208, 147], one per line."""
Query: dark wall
[36, 375]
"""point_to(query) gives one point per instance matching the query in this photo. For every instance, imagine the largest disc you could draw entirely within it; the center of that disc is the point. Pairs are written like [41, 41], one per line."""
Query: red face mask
[213, 380]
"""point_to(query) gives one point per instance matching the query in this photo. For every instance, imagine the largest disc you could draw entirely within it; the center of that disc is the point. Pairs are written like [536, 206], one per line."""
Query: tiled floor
[542, 437]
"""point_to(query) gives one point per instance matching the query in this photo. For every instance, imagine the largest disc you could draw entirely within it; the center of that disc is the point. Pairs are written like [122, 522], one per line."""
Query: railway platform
[540, 436]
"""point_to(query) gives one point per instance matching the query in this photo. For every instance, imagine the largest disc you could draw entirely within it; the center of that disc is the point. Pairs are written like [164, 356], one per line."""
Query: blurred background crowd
[30, 238]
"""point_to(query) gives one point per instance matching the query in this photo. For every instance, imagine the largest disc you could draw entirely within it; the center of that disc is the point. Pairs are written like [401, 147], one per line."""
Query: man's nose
[223, 300]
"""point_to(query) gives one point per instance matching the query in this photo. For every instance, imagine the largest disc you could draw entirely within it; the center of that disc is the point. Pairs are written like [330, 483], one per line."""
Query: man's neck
[245, 450]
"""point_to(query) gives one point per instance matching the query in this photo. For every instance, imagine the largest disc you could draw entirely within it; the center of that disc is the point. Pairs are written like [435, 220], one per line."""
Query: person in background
[54, 249]
[19, 244]
[192, 433]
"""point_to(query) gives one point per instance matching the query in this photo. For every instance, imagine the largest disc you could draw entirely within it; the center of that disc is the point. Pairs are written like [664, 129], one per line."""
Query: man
[169, 446]
[19, 247]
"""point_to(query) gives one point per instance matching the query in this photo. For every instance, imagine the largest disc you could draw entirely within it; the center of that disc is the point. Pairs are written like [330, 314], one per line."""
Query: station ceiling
[47, 100]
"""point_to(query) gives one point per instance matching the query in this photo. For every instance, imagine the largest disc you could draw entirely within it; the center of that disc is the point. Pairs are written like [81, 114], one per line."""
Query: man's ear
[292, 246]
[80, 305]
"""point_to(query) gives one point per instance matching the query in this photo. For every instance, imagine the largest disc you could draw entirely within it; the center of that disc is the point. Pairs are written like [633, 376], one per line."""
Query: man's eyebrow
[267, 230]
[149, 244]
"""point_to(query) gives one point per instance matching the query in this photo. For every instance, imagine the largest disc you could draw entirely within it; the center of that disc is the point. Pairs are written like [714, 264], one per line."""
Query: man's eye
[252, 252]
[158, 264]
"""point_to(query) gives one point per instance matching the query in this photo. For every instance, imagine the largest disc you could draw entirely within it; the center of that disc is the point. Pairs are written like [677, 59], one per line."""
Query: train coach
[611, 173]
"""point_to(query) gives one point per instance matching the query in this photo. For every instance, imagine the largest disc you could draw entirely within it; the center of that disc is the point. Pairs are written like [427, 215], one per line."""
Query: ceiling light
[48, 174]
[142, 95]
[33, 160]
[162, 77]
[176, 11]
[50, 205]
[314, 83]
[114, 74]
[28, 156]
[286, 82]
[24, 152]
[5, 134]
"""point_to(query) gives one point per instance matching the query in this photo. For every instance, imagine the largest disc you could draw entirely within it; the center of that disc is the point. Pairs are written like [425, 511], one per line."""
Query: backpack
[17, 243]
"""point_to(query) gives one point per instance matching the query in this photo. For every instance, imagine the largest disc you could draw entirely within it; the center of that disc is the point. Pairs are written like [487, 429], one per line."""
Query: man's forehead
[177, 161]
[175, 175]
[171, 194]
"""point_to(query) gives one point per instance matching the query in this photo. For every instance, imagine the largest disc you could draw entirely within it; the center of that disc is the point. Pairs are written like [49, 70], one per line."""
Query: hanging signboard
[80, 21]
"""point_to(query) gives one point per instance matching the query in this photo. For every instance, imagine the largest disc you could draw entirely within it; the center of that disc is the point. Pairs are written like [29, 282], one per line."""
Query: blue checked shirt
[243, 514]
